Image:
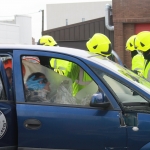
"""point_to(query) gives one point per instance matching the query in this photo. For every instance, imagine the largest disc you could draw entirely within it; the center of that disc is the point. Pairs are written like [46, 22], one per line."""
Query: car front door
[139, 133]
[8, 123]
[65, 126]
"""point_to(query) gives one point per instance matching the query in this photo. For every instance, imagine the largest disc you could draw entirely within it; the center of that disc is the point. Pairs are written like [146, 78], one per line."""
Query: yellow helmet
[130, 44]
[47, 40]
[142, 41]
[99, 44]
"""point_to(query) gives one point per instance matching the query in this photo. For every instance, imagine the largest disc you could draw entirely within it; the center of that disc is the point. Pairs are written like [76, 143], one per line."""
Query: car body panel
[146, 147]
[8, 122]
[70, 127]
[142, 135]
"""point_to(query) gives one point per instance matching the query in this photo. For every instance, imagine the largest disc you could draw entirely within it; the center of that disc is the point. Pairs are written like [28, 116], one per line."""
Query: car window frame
[124, 82]
[80, 61]
[4, 79]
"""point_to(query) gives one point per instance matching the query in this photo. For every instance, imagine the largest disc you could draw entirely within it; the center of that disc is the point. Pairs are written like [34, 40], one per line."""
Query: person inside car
[37, 87]
[8, 68]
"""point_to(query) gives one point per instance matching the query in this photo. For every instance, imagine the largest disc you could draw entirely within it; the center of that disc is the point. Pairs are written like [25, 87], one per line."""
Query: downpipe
[107, 17]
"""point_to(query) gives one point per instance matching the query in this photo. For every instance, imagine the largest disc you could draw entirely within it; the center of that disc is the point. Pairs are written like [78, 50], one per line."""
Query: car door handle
[33, 124]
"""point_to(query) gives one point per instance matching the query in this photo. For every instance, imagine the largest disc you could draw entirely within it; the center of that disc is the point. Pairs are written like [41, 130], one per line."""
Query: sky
[10, 8]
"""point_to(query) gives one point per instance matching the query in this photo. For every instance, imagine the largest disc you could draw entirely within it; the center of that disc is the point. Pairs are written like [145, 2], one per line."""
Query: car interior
[83, 97]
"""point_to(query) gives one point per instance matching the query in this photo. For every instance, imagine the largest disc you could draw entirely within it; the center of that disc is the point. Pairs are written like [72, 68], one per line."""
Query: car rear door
[59, 126]
[8, 123]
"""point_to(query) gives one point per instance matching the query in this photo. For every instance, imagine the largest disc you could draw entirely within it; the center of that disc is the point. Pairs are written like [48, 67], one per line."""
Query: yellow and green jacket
[79, 77]
[147, 70]
[59, 65]
[138, 64]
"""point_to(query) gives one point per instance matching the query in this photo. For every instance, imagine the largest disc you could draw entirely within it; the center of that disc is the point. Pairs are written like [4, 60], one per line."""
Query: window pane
[126, 96]
[7, 63]
[44, 82]
[2, 91]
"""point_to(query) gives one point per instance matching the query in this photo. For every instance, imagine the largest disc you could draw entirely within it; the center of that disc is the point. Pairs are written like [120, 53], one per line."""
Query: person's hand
[35, 84]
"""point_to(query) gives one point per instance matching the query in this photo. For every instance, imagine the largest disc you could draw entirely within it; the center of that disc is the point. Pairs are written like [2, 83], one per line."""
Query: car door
[8, 123]
[65, 126]
[139, 133]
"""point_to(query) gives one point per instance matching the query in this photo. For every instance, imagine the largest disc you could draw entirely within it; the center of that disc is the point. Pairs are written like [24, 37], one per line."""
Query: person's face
[45, 81]
[47, 86]
[9, 74]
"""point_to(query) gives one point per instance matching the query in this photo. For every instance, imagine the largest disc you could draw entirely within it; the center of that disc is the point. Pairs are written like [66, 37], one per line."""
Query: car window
[2, 90]
[126, 96]
[46, 83]
[123, 72]
[7, 63]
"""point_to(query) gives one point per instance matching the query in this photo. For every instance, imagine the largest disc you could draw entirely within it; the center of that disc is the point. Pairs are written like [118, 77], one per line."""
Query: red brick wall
[131, 9]
[126, 14]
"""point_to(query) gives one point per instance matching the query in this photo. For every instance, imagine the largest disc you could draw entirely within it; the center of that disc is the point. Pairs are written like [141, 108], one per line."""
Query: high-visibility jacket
[79, 77]
[59, 65]
[138, 64]
[147, 70]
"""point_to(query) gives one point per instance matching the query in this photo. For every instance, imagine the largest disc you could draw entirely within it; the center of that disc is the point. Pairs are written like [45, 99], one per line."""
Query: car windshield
[126, 96]
[123, 72]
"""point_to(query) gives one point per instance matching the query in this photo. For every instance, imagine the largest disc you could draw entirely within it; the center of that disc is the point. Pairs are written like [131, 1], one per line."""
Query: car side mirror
[99, 100]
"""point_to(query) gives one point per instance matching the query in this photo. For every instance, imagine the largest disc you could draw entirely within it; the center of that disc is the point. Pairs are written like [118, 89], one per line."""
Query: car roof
[63, 50]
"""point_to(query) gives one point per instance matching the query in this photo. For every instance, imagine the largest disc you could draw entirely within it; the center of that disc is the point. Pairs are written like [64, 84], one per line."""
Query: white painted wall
[9, 33]
[25, 29]
[74, 12]
[16, 31]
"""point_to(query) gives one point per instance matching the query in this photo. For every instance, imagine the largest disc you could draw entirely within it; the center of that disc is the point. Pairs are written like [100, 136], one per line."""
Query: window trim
[19, 53]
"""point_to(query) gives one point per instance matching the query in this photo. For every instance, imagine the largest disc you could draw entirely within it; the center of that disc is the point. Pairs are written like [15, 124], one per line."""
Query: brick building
[129, 17]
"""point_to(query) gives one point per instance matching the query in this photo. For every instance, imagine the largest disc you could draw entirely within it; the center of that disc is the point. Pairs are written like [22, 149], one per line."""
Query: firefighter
[58, 64]
[98, 44]
[142, 42]
[47, 40]
[94, 46]
[137, 57]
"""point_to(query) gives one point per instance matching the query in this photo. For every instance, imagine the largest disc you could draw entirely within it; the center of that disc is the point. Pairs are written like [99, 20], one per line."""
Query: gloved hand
[35, 84]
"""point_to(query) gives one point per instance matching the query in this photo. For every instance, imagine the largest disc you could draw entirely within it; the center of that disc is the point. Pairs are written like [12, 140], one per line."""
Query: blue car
[110, 112]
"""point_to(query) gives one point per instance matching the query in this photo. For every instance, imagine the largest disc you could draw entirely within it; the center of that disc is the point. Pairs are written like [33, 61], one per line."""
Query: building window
[66, 22]
[83, 19]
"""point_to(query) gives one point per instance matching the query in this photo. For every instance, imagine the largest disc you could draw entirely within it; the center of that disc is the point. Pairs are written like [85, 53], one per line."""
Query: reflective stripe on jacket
[79, 77]
[59, 65]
